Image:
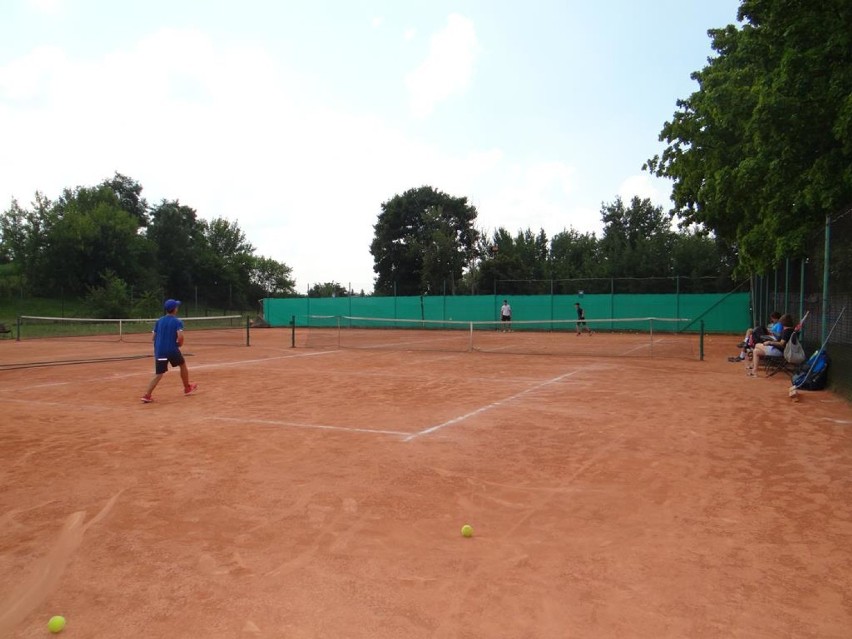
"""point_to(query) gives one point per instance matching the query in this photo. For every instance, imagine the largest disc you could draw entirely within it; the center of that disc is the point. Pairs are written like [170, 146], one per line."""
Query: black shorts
[506, 318]
[161, 364]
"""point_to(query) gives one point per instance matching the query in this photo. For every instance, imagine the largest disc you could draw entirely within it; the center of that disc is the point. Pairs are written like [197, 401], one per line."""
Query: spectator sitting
[771, 347]
[759, 334]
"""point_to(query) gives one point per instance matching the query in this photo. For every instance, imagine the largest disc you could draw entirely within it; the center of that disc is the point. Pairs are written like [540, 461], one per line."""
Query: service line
[487, 407]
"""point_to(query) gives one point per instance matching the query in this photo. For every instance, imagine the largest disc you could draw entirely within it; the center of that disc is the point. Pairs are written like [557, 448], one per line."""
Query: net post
[651, 331]
[248, 331]
[701, 341]
[18, 336]
[292, 331]
[470, 341]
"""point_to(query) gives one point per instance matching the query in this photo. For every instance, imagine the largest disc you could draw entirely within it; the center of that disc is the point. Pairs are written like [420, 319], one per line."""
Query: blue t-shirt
[777, 329]
[165, 335]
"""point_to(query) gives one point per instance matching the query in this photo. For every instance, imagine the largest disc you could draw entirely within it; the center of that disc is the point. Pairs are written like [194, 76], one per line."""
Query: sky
[297, 120]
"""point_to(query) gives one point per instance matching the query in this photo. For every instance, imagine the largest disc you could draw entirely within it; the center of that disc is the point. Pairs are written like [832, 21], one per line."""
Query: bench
[4, 330]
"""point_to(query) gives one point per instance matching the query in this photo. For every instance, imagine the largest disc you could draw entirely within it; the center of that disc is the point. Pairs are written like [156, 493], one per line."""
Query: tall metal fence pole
[787, 285]
[825, 271]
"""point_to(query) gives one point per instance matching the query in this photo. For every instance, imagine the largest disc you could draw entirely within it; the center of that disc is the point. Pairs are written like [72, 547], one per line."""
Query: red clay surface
[309, 493]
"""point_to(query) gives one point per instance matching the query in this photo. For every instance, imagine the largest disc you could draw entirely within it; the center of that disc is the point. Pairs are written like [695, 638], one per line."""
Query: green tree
[422, 239]
[89, 236]
[761, 153]
[225, 261]
[270, 278]
[111, 299]
[328, 289]
[636, 240]
[701, 261]
[179, 239]
[514, 264]
[575, 255]
[129, 193]
[23, 238]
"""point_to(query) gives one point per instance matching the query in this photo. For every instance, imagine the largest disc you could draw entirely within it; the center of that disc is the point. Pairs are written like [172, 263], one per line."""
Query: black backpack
[812, 374]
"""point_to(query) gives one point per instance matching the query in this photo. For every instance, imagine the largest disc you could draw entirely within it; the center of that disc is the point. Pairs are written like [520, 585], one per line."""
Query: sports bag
[812, 374]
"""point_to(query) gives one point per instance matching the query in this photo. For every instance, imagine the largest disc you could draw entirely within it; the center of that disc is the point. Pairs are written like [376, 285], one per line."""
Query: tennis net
[633, 337]
[226, 330]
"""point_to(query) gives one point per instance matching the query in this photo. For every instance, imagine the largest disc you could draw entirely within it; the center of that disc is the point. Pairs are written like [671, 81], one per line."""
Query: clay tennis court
[316, 492]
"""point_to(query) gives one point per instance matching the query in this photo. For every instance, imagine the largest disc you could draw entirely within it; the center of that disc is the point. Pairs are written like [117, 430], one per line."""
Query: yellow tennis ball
[467, 530]
[56, 624]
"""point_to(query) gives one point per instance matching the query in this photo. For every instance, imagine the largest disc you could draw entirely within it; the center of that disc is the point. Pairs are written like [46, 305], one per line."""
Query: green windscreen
[720, 313]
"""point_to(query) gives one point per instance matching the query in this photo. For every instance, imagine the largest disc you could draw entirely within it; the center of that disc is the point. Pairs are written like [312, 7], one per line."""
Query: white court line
[488, 407]
[243, 362]
[148, 373]
[390, 347]
[66, 405]
[272, 422]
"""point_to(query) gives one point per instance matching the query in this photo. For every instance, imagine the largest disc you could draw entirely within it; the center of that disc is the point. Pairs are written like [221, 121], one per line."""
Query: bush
[112, 300]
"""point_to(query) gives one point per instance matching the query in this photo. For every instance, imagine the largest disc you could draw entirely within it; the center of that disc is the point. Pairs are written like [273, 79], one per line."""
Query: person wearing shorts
[772, 348]
[168, 338]
[506, 316]
[581, 320]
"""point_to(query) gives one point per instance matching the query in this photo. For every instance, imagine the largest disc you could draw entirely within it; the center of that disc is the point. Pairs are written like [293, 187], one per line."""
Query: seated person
[772, 347]
[759, 334]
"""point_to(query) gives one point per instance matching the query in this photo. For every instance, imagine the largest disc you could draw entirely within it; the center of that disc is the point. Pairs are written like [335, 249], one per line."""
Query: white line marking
[148, 373]
[272, 422]
[488, 407]
[261, 360]
[67, 405]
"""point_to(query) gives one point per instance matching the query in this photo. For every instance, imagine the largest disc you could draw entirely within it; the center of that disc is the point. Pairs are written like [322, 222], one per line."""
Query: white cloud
[447, 69]
[232, 133]
[26, 78]
[645, 186]
[409, 34]
[377, 21]
[49, 7]
[537, 196]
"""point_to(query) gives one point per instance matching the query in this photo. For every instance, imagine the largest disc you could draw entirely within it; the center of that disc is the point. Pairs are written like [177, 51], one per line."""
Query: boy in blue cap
[168, 338]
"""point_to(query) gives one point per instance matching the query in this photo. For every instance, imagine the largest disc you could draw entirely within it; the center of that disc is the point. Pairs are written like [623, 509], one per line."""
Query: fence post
[611, 299]
[677, 296]
[825, 270]
[787, 286]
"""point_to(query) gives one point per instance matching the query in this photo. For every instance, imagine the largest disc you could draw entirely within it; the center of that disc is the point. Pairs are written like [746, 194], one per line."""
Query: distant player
[581, 320]
[505, 317]
[168, 338]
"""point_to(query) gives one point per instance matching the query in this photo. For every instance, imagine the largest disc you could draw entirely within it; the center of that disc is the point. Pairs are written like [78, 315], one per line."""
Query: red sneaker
[189, 390]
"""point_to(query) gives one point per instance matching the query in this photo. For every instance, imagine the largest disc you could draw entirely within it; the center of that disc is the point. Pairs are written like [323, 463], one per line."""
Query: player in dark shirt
[581, 320]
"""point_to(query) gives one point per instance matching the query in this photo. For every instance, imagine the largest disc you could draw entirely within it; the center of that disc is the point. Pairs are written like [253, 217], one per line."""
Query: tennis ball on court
[56, 624]
[467, 530]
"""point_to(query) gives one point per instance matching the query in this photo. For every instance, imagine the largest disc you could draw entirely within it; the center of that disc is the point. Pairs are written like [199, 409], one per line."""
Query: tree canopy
[424, 239]
[107, 242]
[637, 243]
[761, 153]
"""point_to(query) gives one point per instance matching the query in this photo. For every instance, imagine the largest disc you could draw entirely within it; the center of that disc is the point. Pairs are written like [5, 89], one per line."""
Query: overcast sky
[298, 119]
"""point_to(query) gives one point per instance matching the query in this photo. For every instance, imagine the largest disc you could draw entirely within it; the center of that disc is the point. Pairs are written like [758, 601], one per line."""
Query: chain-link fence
[674, 285]
[818, 285]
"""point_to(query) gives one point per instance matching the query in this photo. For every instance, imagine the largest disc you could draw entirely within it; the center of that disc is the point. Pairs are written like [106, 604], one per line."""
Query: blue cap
[171, 305]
